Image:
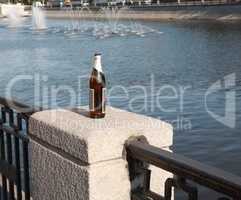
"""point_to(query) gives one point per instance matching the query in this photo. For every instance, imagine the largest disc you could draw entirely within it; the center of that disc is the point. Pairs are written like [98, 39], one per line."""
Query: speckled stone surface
[54, 177]
[95, 140]
[74, 157]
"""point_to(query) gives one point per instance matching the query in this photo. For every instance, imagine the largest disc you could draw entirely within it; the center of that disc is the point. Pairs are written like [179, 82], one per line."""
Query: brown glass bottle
[97, 101]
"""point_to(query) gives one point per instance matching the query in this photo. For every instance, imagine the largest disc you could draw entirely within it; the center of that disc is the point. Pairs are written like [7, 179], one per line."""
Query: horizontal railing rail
[18, 107]
[14, 161]
[184, 169]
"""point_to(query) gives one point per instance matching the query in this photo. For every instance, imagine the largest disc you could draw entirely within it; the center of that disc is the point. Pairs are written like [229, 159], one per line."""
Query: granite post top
[95, 140]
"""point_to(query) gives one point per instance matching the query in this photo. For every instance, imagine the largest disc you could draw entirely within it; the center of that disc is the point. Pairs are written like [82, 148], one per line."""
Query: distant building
[55, 3]
[100, 1]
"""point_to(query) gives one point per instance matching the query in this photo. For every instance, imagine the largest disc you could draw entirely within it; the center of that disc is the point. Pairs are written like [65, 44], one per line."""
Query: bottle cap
[97, 62]
[97, 54]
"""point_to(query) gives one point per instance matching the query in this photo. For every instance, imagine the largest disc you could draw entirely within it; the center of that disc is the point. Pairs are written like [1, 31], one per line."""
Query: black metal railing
[14, 163]
[186, 172]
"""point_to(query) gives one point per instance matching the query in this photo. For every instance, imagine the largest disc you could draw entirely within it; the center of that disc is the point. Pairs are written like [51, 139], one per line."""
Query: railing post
[78, 158]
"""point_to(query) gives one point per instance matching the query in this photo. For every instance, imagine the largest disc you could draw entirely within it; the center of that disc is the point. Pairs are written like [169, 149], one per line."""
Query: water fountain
[14, 14]
[106, 24]
[101, 24]
[7, 9]
[113, 26]
[14, 18]
[112, 15]
[38, 19]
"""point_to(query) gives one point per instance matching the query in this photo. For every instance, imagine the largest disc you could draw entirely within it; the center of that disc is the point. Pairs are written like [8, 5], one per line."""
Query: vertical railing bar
[19, 122]
[3, 156]
[11, 118]
[9, 152]
[18, 168]
[17, 160]
[147, 179]
[26, 170]
[3, 115]
[26, 165]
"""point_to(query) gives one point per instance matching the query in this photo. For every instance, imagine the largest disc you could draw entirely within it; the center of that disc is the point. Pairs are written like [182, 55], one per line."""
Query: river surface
[159, 69]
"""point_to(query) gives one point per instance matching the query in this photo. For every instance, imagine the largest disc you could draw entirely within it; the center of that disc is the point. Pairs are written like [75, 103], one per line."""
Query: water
[193, 55]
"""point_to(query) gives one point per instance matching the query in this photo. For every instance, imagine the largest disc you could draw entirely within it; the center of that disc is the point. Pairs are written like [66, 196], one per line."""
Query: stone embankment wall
[158, 13]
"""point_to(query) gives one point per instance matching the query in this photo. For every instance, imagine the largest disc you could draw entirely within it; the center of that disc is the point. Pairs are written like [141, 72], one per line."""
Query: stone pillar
[73, 157]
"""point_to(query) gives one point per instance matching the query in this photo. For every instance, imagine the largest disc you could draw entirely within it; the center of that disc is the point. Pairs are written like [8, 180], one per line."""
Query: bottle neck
[97, 63]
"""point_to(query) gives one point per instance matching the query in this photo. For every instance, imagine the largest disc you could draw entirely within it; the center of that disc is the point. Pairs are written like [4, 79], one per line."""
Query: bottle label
[101, 105]
[103, 99]
[92, 100]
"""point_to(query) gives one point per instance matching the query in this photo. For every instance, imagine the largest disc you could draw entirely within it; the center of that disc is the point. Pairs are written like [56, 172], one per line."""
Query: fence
[14, 164]
[184, 169]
